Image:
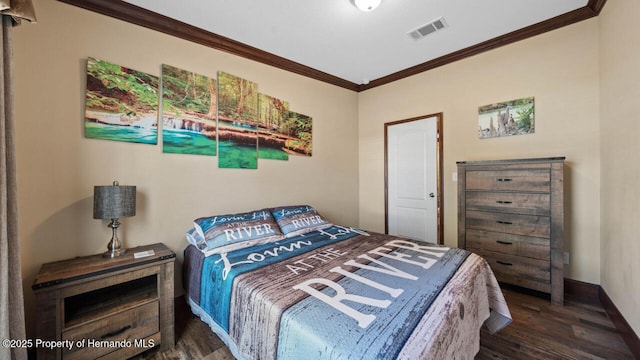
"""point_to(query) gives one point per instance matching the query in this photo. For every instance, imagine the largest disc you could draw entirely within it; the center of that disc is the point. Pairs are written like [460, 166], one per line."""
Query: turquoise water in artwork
[232, 155]
[272, 153]
[94, 130]
[187, 142]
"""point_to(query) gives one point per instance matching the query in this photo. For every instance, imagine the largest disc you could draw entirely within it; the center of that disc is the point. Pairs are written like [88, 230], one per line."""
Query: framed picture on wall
[189, 108]
[237, 122]
[121, 103]
[272, 115]
[299, 129]
[514, 117]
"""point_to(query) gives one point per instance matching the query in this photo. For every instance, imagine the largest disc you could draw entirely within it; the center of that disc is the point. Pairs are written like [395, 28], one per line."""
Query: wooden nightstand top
[58, 272]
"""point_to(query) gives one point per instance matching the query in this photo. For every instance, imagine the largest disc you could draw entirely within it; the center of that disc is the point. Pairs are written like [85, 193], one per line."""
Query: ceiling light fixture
[367, 5]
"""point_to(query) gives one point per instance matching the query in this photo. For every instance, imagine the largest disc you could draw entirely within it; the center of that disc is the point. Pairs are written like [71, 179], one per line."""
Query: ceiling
[332, 40]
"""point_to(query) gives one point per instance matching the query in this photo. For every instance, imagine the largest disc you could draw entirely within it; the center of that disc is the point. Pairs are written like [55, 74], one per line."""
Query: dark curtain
[11, 297]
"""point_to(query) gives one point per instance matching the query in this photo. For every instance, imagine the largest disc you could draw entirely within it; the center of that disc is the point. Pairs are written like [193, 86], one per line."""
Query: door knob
[431, 195]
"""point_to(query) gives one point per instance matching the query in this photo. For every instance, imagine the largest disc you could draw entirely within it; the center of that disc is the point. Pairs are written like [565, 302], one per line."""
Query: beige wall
[58, 167]
[560, 69]
[578, 75]
[620, 139]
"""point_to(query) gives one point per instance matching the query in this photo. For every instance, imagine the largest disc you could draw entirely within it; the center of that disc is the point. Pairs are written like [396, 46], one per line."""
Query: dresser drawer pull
[504, 202]
[504, 222]
[504, 263]
[117, 332]
[504, 242]
[503, 179]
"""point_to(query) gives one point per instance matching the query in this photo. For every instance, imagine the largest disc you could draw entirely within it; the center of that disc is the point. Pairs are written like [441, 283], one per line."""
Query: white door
[412, 173]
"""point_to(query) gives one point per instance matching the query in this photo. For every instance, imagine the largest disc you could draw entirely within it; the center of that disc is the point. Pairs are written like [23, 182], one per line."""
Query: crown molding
[151, 20]
[136, 15]
[592, 9]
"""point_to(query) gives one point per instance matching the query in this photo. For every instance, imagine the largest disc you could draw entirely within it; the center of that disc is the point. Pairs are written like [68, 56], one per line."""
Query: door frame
[439, 155]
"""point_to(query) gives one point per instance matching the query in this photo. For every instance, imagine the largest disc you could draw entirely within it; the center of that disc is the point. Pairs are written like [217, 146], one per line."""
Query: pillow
[224, 233]
[298, 220]
[196, 240]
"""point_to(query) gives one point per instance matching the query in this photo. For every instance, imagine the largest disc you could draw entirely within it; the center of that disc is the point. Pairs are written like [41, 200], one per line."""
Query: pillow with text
[298, 220]
[223, 233]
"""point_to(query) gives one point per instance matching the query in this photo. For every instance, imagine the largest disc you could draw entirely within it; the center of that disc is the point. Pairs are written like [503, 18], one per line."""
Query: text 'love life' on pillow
[299, 219]
[224, 233]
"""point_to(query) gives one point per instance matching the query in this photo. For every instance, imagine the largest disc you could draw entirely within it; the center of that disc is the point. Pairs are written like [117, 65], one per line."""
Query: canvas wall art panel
[514, 117]
[237, 122]
[121, 104]
[271, 117]
[189, 108]
[298, 129]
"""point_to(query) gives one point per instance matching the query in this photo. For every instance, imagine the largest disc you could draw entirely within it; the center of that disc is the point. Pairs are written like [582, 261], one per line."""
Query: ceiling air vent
[427, 29]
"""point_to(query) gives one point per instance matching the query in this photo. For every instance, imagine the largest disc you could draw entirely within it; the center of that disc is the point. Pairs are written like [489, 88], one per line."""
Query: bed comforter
[343, 293]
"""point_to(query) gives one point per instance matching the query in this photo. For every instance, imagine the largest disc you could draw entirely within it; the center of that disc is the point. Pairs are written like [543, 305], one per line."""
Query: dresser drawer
[512, 202]
[136, 323]
[509, 180]
[529, 225]
[531, 273]
[527, 246]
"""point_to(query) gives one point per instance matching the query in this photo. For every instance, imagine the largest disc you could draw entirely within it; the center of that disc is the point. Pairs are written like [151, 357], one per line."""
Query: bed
[283, 283]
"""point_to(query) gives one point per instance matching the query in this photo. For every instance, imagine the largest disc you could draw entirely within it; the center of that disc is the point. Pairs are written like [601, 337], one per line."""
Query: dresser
[511, 212]
[109, 308]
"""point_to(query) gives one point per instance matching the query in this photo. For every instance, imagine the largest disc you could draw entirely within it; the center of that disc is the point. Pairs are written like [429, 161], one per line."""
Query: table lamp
[114, 202]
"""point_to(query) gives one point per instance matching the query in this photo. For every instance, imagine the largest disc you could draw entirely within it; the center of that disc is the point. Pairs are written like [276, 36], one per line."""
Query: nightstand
[91, 306]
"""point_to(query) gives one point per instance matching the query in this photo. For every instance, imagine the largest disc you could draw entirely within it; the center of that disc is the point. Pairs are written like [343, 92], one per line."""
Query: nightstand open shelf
[100, 303]
[124, 305]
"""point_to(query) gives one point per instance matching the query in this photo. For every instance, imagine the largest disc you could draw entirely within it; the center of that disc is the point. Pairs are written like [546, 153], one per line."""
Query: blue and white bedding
[343, 293]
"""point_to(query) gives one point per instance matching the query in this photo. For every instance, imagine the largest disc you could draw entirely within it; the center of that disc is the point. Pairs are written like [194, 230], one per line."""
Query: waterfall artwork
[298, 128]
[237, 122]
[271, 119]
[189, 106]
[121, 104]
[515, 117]
[282, 132]
[224, 116]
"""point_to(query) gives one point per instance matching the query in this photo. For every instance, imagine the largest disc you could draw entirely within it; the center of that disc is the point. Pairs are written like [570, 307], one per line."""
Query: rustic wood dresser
[511, 212]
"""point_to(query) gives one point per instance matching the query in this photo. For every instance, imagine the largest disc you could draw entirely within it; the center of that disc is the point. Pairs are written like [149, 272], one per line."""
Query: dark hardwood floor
[577, 330]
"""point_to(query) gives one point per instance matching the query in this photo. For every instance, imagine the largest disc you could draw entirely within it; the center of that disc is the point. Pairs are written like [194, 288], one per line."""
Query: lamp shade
[18, 10]
[114, 202]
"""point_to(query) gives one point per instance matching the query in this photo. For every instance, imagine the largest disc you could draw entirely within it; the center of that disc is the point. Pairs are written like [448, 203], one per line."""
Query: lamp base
[114, 253]
[114, 248]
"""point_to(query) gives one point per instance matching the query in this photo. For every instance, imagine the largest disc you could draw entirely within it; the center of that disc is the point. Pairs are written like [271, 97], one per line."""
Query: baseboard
[595, 294]
[627, 333]
[586, 292]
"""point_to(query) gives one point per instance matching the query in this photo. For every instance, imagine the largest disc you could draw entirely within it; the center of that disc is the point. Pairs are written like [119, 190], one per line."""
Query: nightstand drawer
[509, 180]
[529, 225]
[127, 326]
[531, 273]
[512, 202]
[527, 246]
